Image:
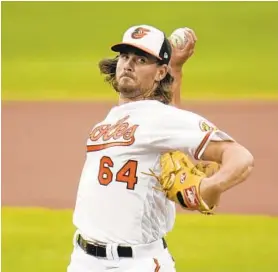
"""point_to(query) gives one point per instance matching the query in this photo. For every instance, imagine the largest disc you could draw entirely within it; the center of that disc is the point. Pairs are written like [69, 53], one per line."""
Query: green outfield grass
[50, 50]
[41, 240]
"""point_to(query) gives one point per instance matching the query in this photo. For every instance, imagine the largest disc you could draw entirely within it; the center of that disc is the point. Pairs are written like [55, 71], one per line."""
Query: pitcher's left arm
[236, 165]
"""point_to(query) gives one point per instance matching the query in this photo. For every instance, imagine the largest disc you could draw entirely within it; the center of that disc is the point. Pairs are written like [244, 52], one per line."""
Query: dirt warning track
[44, 145]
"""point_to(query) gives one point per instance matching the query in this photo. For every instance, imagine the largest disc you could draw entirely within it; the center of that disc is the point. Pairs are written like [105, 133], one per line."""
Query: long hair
[162, 93]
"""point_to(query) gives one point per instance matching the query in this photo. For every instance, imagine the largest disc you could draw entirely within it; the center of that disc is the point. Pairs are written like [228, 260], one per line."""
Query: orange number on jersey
[126, 174]
[105, 175]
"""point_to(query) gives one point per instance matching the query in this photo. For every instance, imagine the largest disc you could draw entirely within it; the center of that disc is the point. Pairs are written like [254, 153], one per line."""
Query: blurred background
[53, 93]
[52, 48]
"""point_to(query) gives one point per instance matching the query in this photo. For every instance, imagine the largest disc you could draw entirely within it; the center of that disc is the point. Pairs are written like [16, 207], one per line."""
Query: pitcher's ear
[161, 72]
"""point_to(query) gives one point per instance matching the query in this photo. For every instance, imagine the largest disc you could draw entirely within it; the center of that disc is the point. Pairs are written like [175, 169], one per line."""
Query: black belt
[100, 250]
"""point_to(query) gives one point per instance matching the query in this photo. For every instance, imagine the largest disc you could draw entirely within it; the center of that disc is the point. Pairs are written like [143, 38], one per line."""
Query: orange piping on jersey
[92, 148]
[157, 265]
[200, 147]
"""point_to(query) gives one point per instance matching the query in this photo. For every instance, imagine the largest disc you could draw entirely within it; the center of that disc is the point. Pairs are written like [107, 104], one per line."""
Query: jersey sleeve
[187, 132]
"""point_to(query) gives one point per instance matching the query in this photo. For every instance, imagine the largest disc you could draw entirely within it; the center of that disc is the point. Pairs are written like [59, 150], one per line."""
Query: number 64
[126, 174]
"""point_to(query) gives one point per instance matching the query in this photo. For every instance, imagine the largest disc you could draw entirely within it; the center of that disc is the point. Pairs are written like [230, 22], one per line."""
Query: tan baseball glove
[180, 180]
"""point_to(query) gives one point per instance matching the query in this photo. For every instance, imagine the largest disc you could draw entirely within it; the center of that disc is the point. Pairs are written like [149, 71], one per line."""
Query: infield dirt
[44, 145]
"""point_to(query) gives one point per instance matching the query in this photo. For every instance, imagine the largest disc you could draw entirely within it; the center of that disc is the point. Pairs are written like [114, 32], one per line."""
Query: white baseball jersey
[116, 201]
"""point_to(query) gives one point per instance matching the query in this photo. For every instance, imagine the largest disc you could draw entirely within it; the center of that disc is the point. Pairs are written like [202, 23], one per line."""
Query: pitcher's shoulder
[169, 110]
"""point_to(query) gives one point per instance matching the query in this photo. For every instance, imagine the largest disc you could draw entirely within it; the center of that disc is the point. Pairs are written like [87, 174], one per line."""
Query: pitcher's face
[137, 73]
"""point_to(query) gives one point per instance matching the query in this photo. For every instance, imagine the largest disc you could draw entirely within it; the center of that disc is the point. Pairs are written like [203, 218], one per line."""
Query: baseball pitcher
[139, 161]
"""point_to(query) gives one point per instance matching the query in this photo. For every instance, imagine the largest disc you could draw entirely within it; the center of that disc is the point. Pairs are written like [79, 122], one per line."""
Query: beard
[127, 88]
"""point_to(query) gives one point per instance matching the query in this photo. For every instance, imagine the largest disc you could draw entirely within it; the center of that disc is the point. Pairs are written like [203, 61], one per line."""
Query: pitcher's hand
[180, 56]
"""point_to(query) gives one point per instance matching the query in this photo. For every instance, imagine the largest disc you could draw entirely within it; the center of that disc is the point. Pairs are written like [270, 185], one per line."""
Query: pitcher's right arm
[178, 59]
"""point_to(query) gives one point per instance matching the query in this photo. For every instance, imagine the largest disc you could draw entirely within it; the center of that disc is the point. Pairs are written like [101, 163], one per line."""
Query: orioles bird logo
[139, 33]
[204, 126]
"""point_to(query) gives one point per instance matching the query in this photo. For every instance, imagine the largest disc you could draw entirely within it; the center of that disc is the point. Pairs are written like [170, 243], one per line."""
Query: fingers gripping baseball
[183, 42]
[190, 45]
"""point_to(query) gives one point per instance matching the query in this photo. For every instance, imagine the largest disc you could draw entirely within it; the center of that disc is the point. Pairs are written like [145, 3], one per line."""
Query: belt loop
[164, 242]
[109, 255]
[115, 253]
[75, 238]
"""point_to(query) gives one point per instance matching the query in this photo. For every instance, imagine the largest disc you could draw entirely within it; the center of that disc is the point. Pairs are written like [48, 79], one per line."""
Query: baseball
[179, 37]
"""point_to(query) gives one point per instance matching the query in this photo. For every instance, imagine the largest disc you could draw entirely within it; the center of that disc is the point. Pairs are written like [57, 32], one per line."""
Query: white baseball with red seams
[179, 37]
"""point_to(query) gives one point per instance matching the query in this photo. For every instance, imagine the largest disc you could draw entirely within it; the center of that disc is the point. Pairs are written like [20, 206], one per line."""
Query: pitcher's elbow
[250, 159]
[249, 162]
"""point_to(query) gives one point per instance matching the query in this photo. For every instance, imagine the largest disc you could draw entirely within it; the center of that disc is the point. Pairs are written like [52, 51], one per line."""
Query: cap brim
[122, 46]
